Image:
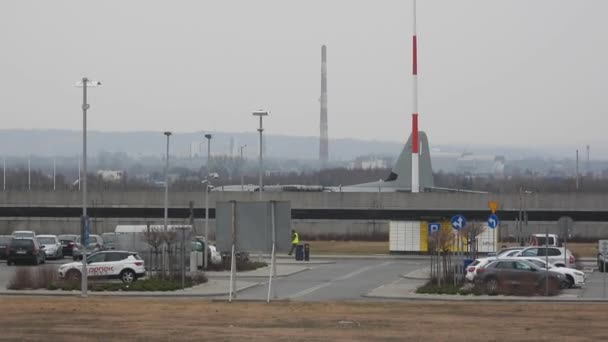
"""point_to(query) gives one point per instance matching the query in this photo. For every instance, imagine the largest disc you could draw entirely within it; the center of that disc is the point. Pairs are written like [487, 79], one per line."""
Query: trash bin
[467, 262]
[306, 252]
[299, 252]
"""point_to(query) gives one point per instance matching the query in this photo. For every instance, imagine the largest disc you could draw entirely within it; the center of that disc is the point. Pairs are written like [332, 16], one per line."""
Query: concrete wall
[401, 200]
[567, 201]
[585, 230]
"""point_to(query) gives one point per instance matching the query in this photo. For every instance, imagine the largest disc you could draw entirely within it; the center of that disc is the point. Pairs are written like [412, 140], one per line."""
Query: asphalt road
[344, 279]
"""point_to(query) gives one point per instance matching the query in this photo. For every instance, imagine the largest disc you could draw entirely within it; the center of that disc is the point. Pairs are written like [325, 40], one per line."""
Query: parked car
[109, 240]
[52, 246]
[24, 234]
[573, 276]
[540, 240]
[95, 245]
[517, 276]
[5, 240]
[556, 255]
[477, 263]
[68, 242]
[25, 249]
[198, 248]
[123, 265]
[505, 251]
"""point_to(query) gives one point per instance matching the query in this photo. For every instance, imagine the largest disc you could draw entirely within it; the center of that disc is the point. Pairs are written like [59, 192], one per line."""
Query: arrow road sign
[458, 222]
[493, 221]
[434, 227]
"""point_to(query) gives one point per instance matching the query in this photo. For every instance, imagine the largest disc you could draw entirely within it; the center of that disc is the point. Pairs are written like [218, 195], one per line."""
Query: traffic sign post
[458, 222]
[493, 222]
[493, 205]
[84, 240]
[433, 227]
[603, 264]
[565, 224]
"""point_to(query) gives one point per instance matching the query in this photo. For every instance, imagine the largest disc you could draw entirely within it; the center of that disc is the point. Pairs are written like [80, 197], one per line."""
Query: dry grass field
[145, 319]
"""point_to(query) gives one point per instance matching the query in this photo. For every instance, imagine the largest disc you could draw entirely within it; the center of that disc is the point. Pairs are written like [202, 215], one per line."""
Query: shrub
[31, 278]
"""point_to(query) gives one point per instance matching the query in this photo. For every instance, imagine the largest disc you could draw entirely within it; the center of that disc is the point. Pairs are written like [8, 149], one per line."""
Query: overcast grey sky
[502, 71]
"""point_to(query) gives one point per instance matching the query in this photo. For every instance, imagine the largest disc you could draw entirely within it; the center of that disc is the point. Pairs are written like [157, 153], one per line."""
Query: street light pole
[84, 83]
[241, 169]
[261, 114]
[166, 216]
[29, 174]
[206, 183]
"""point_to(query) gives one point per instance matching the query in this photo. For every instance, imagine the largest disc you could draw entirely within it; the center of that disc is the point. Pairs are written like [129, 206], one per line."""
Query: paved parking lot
[344, 279]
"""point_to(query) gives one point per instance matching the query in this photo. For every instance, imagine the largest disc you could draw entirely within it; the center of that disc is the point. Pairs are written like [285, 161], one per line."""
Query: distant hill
[66, 143]
[46, 143]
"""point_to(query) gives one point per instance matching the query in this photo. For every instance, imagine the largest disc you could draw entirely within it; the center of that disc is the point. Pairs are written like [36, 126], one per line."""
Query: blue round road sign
[458, 222]
[493, 221]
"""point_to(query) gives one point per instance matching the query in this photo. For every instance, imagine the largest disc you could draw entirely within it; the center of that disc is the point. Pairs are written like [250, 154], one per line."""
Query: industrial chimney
[323, 139]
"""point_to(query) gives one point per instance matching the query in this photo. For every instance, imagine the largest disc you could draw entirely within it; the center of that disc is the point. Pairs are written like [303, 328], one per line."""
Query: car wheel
[492, 286]
[128, 276]
[36, 261]
[73, 275]
[570, 281]
[8, 263]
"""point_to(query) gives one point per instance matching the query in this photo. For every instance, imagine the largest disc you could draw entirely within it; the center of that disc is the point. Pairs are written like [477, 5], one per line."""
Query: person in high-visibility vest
[295, 239]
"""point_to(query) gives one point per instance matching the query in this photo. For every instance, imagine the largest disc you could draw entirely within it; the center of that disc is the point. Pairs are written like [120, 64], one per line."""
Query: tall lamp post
[167, 134]
[207, 183]
[241, 169]
[84, 238]
[261, 113]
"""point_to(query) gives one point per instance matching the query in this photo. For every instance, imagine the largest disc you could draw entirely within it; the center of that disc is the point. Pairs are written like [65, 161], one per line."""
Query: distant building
[111, 175]
[196, 149]
[368, 163]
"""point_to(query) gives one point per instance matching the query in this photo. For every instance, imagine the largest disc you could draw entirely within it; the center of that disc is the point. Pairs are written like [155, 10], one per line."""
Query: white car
[123, 265]
[52, 246]
[556, 255]
[476, 264]
[574, 276]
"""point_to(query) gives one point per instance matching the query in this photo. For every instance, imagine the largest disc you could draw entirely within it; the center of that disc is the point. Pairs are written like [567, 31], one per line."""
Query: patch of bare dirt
[145, 319]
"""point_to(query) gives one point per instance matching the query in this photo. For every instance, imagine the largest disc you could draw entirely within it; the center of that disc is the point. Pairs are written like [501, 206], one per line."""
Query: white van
[539, 240]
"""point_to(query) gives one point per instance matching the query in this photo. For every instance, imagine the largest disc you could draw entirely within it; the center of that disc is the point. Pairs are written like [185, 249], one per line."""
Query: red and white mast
[415, 147]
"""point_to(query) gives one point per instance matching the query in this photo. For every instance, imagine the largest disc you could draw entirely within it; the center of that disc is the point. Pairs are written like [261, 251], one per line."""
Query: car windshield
[46, 240]
[67, 237]
[22, 243]
[508, 252]
[537, 263]
[5, 239]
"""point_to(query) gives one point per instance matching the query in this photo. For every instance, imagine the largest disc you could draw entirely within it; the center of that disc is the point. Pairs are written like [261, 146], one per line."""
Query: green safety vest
[295, 238]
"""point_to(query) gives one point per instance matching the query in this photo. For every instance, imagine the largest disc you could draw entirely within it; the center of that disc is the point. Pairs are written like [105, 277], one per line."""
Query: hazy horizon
[499, 72]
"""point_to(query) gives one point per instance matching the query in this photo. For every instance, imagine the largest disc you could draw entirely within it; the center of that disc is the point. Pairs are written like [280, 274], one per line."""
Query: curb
[260, 276]
[119, 294]
[469, 298]
[412, 275]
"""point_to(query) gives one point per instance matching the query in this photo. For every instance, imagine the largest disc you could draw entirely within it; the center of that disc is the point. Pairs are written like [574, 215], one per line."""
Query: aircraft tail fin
[401, 174]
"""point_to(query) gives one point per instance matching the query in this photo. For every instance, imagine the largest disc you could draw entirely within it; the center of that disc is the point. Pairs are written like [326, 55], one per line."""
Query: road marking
[344, 277]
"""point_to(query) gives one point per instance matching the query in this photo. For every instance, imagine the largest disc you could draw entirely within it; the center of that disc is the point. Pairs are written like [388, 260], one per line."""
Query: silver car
[52, 246]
